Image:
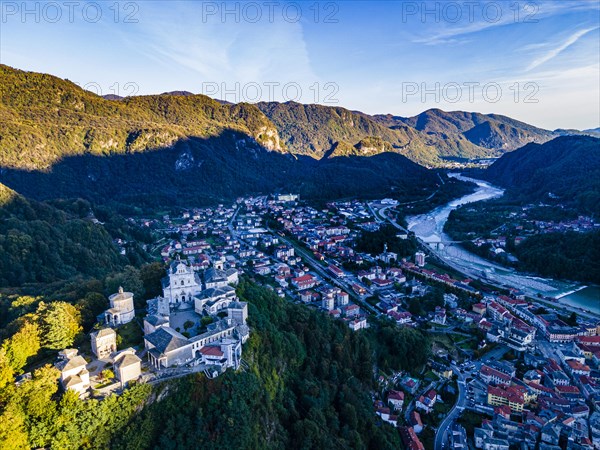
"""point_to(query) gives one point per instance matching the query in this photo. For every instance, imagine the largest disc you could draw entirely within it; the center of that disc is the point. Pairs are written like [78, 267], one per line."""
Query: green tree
[151, 275]
[22, 345]
[131, 281]
[91, 306]
[13, 434]
[60, 323]
[35, 395]
[6, 372]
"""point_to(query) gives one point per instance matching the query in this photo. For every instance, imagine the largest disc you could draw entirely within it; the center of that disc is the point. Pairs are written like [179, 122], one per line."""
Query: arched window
[182, 282]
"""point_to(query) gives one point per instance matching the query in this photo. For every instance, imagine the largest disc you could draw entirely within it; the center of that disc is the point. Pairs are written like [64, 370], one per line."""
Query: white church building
[121, 308]
[181, 283]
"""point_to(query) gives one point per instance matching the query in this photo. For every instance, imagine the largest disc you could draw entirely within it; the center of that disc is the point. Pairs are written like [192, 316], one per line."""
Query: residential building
[358, 324]
[306, 281]
[420, 259]
[396, 400]
[512, 396]
[410, 439]
[426, 402]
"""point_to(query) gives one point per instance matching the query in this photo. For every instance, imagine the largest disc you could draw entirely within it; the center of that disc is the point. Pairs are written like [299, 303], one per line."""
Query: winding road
[441, 435]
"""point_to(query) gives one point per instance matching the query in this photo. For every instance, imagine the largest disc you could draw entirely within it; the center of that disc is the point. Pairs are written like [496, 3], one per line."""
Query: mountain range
[58, 140]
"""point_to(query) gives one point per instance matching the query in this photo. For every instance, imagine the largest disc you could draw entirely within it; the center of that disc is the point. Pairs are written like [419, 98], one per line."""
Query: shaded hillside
[44, 119]
[58, 140]
[206, 171]
[566, 169]
[308, 386]
[39, 243]
[429, 138]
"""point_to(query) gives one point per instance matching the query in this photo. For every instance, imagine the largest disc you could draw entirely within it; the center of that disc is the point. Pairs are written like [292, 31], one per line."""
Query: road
[325, 275]
[441, 435]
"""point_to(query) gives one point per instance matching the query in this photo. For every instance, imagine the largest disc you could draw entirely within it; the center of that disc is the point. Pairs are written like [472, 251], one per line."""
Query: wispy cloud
[554, 52]
[455, 33]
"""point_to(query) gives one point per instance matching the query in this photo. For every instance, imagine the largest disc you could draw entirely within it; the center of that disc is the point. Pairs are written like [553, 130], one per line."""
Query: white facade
[420, 259]
[128, 366]
[181, 283]
[73, 372]
[358, 324]
[104, 342]
[328, 303]
[121, 308]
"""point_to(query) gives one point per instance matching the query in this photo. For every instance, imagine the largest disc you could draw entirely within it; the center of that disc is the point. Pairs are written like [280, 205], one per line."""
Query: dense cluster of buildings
[553, 400]
[549, 400]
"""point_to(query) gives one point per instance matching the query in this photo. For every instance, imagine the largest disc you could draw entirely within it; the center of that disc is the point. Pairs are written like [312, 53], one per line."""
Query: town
[505, 371]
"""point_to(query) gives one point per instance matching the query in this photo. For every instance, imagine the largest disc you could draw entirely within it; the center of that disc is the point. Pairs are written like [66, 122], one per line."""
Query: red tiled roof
[396, 395]
[589, 340]
[211, 351]
[307, 277]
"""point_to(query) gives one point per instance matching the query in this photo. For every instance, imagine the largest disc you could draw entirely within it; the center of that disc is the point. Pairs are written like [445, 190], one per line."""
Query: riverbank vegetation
[563, 255]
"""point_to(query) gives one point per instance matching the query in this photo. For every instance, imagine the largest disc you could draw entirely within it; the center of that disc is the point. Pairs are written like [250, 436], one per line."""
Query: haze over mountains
[57, 139]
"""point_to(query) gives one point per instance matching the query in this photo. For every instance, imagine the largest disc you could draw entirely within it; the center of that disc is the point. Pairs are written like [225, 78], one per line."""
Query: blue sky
[536, 61]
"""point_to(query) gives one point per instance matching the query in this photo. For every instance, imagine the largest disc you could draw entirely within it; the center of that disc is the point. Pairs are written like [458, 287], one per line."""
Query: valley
[313, 276]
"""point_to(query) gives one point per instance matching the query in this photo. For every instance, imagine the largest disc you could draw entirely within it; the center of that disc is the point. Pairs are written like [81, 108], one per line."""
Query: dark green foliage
[400, 347]
[151, 274]
[478, 220]
[219, 168]
[567, 167]
[130, 280]
[373, 242]
[91, 306]
[573, 256]
[307, 387]
[39, 243]
[427, 303]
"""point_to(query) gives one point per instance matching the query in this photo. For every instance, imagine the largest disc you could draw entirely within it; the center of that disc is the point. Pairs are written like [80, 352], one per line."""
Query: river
[429, 228]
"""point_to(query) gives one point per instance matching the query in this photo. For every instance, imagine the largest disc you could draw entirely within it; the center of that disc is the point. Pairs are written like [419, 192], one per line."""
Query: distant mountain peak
[178, 93]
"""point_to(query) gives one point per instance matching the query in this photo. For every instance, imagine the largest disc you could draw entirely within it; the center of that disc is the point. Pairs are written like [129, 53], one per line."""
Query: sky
[536, 61]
